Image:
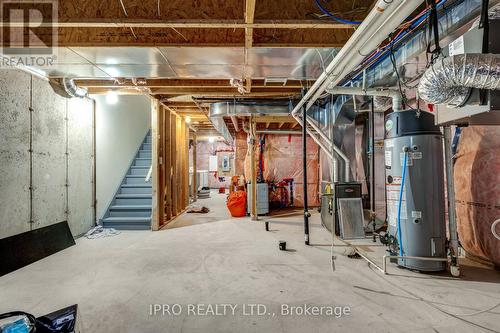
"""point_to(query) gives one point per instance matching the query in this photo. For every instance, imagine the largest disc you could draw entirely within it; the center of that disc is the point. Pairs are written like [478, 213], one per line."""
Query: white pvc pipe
[355, 56]
[381, 11]
[392, 93]
[380, 22]
[327, 149]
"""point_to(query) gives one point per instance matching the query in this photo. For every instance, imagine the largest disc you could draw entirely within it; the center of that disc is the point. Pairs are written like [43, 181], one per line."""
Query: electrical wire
[430, 303]
[330, 15]
[407, 29]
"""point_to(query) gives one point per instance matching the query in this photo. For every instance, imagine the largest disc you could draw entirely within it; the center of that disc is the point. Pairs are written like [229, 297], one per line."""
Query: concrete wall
[121, 127]
[60, 131]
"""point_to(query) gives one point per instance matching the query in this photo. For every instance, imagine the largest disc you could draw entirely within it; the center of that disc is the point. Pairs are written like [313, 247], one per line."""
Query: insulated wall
[45, 156]
[477, 190]
[283, 159]
[204, 150]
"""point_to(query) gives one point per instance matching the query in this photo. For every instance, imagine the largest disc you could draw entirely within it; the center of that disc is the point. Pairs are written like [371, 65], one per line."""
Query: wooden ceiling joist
[221, 24]
[249, 17]
[249, 23]
[207, 10]
[185, 83]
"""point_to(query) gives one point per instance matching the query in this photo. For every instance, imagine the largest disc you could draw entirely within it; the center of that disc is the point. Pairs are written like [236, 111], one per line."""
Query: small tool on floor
[282, 245]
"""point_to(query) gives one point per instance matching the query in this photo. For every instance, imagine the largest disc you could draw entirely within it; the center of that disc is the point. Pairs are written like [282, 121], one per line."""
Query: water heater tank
[422, 209]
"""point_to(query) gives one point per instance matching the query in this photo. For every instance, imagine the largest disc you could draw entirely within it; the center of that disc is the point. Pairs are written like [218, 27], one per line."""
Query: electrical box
[262, 198]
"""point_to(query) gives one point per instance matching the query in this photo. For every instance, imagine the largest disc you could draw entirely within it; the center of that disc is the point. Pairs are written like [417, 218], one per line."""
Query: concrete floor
[115, 280]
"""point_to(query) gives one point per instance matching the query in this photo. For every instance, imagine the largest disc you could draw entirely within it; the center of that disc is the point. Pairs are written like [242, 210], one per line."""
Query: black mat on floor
[23, 249]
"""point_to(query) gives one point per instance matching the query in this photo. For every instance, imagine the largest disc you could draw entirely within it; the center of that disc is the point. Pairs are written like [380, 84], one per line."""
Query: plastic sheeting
[283, 159]
[477, 190]
[204, 150]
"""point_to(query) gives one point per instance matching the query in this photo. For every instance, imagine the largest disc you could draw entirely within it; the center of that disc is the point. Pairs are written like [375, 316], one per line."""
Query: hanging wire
[333, 17]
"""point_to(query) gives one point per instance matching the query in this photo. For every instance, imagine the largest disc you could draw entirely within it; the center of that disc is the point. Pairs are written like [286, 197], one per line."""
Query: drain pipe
[329, 147]
[304, 166]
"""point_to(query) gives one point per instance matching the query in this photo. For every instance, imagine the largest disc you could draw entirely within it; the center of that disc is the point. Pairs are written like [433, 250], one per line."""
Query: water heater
[415, 215]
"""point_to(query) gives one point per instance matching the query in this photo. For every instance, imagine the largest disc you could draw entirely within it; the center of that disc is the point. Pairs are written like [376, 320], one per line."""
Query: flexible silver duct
[72, 89]
[448, 81]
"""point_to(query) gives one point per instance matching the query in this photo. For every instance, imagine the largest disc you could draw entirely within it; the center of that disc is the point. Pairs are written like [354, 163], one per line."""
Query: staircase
[130, 208]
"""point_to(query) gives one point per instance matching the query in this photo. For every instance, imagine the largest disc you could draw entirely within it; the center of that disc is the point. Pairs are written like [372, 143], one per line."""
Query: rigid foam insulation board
[80, 165]
[14, 154]
[30, 246]
[49, 159]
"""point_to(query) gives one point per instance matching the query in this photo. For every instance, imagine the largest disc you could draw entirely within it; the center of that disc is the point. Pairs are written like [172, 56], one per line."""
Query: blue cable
[338, 19]
[404, 34]
[400, 239]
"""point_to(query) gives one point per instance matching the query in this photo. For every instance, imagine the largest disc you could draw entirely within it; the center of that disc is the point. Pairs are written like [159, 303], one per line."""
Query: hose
[400, 240]
[493, 231]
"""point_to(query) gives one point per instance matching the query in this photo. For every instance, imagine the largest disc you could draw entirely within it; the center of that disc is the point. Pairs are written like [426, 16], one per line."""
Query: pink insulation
[477, 190]
[204, 150]
[283, 159]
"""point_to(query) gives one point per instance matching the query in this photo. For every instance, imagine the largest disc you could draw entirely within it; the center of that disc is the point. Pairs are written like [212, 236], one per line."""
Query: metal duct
[450, 79]
[247, 108]
[72, 89]
[220, 125]
[220, 110]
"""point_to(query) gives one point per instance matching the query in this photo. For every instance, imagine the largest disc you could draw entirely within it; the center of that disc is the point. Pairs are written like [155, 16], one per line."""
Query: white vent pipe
[395, 95]
[380, 22]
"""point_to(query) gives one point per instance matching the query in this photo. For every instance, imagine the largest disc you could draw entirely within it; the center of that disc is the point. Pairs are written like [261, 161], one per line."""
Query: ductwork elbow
[72, 89]
[449, 80]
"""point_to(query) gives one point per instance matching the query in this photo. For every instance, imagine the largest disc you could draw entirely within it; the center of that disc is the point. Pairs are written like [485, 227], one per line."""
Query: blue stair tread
[127, 219]
[137, 185]
[130, 207]
[134, 196]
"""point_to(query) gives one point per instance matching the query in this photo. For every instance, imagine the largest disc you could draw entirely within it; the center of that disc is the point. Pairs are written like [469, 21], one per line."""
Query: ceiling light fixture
[187, 119]
[211, 139]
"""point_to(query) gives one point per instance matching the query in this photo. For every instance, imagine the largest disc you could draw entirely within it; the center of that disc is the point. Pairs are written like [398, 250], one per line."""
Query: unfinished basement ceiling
[192, 62]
